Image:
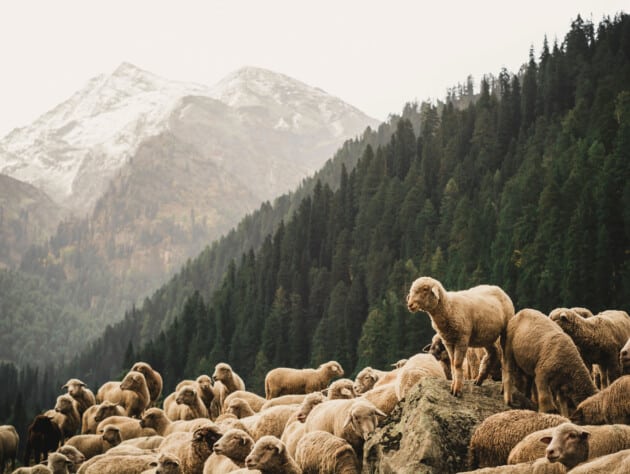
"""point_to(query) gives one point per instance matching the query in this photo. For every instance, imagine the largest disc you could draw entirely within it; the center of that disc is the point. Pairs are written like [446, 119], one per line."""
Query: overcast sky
[376, 55]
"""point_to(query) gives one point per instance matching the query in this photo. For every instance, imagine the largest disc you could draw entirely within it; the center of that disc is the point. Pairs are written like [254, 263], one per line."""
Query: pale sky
[376, 55]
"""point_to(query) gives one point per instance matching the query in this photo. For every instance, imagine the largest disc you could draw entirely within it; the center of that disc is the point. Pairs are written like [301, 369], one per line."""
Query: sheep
[320, 452]
[43, 436]
[476, 317]
[194, 449]
[188, 405]
[144, 442]
[156, 419]
[539, 466]
[230, 379]
[239, 408]
[37, 469]
[366, 378]
[66, 415]
[494, 438]
[97, 413]
[602, 440]
[285, 381]
[339, 389]
[132, 393]
[269, 422]
[166, 464]
[416, 368]
[624, 358]
[598, 338]
[57, 464]
[207, 392]
[74, 455]
[270, 456]
[92, 445]
[292, 435]
[129, 427]
[9, 442]
[383, 397]
[580, 311]
[118, 464]
[281, 400]
[615, 463]
[353, 420]
[538, 348]
[81, 394]
[608, 406]
[256, 402]
[153, 378]
[398, 364]
[230, 452]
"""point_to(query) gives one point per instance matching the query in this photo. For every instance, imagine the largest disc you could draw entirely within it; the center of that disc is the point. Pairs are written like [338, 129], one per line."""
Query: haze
[374, 55]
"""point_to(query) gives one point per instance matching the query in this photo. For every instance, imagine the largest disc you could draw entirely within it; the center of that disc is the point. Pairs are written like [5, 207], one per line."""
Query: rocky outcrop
[429, 431]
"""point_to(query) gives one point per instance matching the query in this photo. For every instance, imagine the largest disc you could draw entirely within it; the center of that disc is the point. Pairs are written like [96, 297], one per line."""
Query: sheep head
[365, 380]
[65, 404]
[133, 381]
[568, 444]
[363, 418]
[208, 434]
[73, 454]
[151, 416]
[57, 462]
[111, 434]
[565, 318]
[106, 409]
[425, 294]
[167, 463]
[437, 349]
[186, 396]
[267, 453]
[74, 386]
[222, 372]
[234, 441]
[332, 368]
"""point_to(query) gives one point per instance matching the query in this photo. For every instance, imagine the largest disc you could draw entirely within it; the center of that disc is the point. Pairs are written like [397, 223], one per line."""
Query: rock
[429, 431]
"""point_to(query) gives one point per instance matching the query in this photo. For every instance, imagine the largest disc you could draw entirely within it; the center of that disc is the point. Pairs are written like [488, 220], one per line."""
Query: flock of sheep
[569, 364]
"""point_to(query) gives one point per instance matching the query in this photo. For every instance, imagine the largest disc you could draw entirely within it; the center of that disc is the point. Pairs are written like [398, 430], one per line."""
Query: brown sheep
[9, 442]
[92, 445]
[230, 379]
[229, 452]
[205, 389]
[239, 408]
[624, 357]
[281, 400]
[97, 413]
[341, 388]
[476, 317]
[269, 422]
[383, 397]
[602, 440]
[74, 455]
[599, 338]
[66, 415]
[166, 464]
[494, 438]
[615, 463]
[610, 406]
[129, 427]
[256, 402]
[81, 394]
[539, 466]
[366, 379]
[188, 405]
[118, 464]
[132, 394]
[287, 381]
[195, 448]
[270, 456]
[153, 378]
[320, 452]
[417, 367]
[43, 436]
[538, 348]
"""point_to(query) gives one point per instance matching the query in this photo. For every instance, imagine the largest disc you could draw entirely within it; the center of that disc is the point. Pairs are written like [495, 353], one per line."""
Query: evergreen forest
[524, 183]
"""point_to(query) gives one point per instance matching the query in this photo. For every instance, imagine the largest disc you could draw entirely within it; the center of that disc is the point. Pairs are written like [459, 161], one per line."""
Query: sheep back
[320, 452]
[609, 406]
[287, 381]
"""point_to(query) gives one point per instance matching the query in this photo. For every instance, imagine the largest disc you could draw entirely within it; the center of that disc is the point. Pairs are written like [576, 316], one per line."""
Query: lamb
[9, 442]
[340, 389]
[129, 427]
[81, 394]
[383, 397]
[476, 317]
[188, 405]
[624, 357]
[320, 452]
[366, 379]
[153, 378]
[43, 436]
[166, 464]
[230, 379]
[281, 400]
[195, 449]
[599, 338]
[118, 464]
[285, 381]
[76, 457]
[353, 420]
[270, 456]
[538, 348]
[205, 389]
[97, 413]
[132, 394]
[66, 415]
[416, 368]
[494, 438]
[92, 445]
[229, 452]
[256, 402]
[601, 440]
[608, 406]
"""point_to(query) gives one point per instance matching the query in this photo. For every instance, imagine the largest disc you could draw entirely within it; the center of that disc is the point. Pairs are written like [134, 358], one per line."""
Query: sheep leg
[545, 397]
[488, 363]
[459, 354]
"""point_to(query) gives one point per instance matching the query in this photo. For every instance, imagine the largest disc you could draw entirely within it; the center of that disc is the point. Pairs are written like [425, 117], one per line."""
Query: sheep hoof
[478, 382]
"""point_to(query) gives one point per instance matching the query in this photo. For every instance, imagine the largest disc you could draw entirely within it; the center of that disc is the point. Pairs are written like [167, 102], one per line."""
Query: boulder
[429, 431]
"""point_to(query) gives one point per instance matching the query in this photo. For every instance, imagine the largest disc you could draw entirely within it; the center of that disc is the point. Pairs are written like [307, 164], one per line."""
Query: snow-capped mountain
[73, 151]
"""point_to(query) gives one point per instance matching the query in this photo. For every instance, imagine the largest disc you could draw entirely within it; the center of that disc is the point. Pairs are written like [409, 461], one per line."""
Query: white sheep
[165, 464]
[320, 452]
[156, 419]
[129, 427]
[615, 463]
[193, 449]
[269, 422]
[287, 381]
[340, 388]
[476, 317]
[118, 464]
[383, 397]
[539, 349]
[97, 413]
[256, 402]
[230, 452]
[609, 406]
[57, 464]
[417, 367]
[366, 378]
[76, 457]
[599, 338]
[270, 456]
[132, 393]
[81, 394]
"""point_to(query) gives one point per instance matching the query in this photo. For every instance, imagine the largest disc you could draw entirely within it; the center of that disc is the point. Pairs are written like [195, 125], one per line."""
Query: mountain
[153, 171]
[27, 216]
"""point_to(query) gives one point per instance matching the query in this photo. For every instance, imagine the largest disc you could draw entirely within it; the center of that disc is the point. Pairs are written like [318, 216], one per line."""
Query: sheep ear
[346, 392]
[564, 317]
[380, 413]
[153, 464]
[325, 392]
[426, 348]
[436, 292]
[585, 435]
[348, 421]
[64, 387]
[546, 440]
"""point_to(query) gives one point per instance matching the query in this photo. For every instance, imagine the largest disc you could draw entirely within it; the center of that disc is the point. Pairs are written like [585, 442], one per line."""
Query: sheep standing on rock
[476, 317]
[417, 367]
[538, 348]
[81, 394]
[153, 378]
[599, 338]
[270, 456]
[132, 394]
[320, 452]
[609, 406]
[287, 381]
[9, 442]
[383, 397]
